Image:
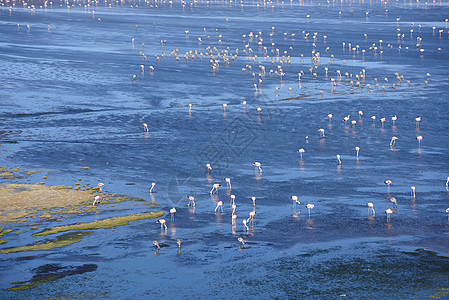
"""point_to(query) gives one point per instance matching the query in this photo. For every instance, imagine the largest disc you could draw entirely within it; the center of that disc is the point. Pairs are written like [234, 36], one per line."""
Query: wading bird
[162, 222]
[370, 208]
[215, 188]
[310, 207]
[388, 212]
[228, 183]
[191, 201]
[96, 200]
[257, 165]
[152, 187]
[219, 206]
[172, 213]
[388, 183]
[241, 240]
[395, 202]
[393, 141]
[145, 127]
[156, 244]
[338, 160]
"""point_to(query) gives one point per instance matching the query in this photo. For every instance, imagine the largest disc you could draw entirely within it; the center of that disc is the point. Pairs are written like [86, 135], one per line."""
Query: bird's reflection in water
[301, 165]
[219, 219]
[310, 224]
[192, 213]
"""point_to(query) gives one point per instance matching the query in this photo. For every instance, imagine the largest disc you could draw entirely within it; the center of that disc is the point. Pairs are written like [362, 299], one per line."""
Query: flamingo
[257, 165]
[190, 107]
[388, 212]
[233, 206]
[178, 241]
[394, 120]
[233, 199]
[360, 114]
[254, 201]
[152, 187]
[382, 120]
[301, 151]
[338, 160]
[388, 183]
[244, 224]
[393, 141]
[228, 183]
[172, 213]
[219, 206]
[330, 117]
[191, 200]
[419, 138]
[156, 244]
[100, 186]
[413, 191]
[373, 118]
[96, 200]
[447, 182]
[208, 168]
[309, 207]
[447, 210]
[321, 130]
[371, 208]
[357, 149]
[251, 217]
[395, 202]
[162, 222]
[215, 188]
[233, 217]
[145, 127]
[417, 119]
[241, 240]
[295, 200]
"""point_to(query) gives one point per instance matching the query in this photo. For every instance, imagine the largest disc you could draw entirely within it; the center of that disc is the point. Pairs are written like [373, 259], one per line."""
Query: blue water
[68, 100]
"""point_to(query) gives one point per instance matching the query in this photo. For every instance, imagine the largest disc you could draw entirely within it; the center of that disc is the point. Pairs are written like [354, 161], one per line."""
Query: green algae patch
[64, 240]
[3, 242]
[105, 223]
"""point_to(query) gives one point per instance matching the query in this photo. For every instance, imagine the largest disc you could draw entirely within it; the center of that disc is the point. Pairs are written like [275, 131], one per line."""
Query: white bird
[257, 165]
[96, 200]
[219, 206]
[162, 222]
[228, 183]
[215, 188]
[191, 201]
[388, 212]
[370, 208]
[152, 187]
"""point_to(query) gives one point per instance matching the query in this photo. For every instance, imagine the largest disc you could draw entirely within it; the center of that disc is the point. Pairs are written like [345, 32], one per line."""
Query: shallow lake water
[73, 95]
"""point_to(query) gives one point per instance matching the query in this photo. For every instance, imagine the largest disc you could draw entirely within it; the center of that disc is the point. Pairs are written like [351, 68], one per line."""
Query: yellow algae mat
[16, 198]
[23, 201]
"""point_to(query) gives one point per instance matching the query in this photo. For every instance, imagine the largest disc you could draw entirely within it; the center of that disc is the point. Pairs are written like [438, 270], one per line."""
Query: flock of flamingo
[266, 60]
[246, 222]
